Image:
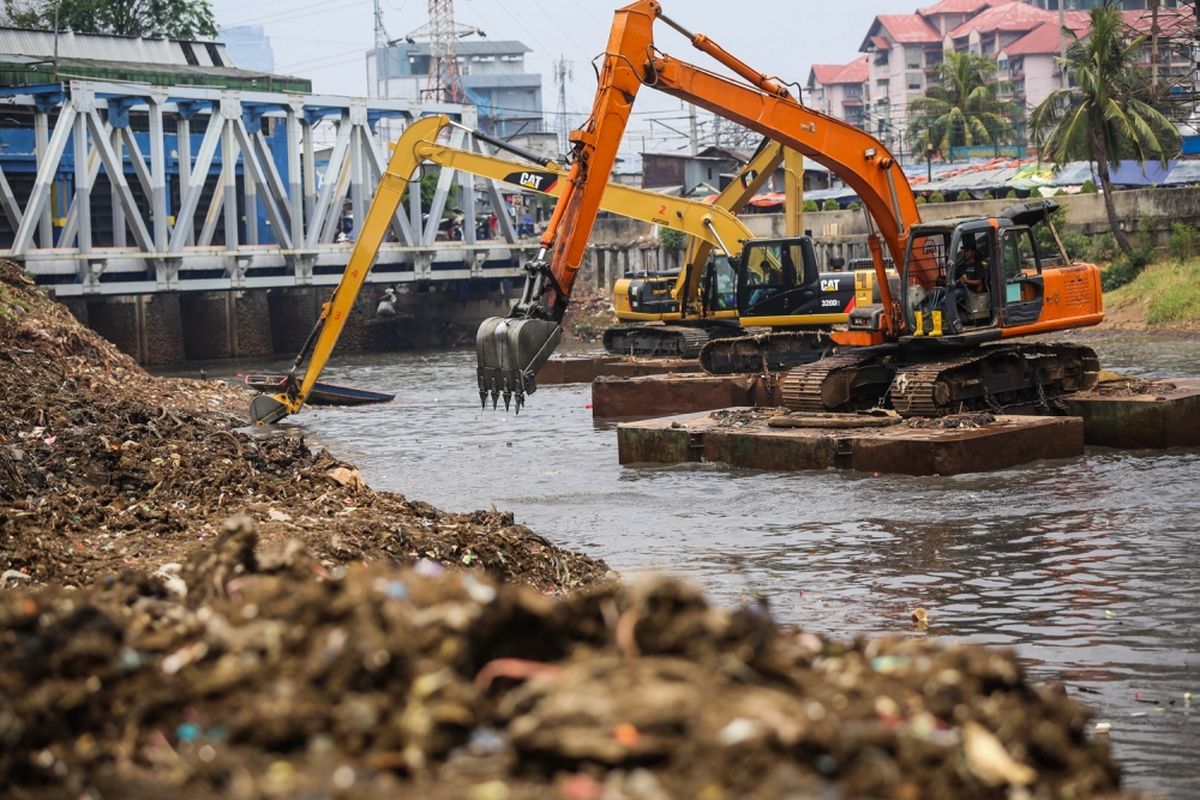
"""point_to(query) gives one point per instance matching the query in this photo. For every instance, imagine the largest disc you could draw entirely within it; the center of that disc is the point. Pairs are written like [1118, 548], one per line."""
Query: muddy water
[1087, 567]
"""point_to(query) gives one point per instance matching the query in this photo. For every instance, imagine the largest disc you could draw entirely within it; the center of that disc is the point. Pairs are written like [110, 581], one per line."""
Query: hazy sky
[325, 40]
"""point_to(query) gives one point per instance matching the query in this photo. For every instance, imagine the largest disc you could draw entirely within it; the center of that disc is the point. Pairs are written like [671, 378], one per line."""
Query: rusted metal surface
[585, 369]
[1141, 414]
[742, 438]
[659, 395]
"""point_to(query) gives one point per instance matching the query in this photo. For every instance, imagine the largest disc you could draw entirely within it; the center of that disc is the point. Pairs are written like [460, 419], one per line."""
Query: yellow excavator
[699, 301]
[713, 229]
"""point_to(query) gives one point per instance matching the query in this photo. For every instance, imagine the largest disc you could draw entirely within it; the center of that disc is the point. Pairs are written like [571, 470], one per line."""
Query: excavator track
[669, 341]
[848, 381]
[764, 352]
[996, 377]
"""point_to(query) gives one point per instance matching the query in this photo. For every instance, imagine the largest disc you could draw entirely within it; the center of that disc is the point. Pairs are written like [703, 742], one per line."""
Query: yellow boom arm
[712, 225]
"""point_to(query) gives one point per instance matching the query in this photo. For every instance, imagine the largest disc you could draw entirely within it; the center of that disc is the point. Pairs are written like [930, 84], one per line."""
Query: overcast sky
[325, 40]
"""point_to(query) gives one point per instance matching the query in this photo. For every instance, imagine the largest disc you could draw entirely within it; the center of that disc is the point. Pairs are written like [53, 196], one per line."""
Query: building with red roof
[840, 90]
[904, 50]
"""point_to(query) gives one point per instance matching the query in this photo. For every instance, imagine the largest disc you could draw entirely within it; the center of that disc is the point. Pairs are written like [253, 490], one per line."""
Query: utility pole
[381, 37]
[692, 129]
[562, 74]
[382, 72]
[444, 82]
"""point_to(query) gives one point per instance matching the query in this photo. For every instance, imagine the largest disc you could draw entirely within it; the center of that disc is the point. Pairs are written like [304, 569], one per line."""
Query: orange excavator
[920, 347]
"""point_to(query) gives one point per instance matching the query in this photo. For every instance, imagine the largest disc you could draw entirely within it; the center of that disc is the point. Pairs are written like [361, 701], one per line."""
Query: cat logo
[537, 181]
[808, 127]
[830, 284]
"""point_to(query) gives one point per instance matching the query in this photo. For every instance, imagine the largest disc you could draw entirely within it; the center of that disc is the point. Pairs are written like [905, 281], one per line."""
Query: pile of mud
[188, 610]
[258, 679]
[104, 467]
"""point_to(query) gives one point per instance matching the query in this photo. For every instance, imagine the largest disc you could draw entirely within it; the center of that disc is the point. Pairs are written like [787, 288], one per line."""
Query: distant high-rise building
[249, 47]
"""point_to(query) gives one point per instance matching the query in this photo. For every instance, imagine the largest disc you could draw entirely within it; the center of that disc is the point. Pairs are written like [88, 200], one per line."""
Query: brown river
[1087, 566]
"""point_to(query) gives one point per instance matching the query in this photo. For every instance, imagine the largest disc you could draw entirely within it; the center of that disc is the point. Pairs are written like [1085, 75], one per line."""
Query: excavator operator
[970, 287]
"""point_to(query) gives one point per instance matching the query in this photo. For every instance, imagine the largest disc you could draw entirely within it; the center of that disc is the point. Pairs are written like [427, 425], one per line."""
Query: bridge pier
[226, 325]
[145, 327]
[293, 312]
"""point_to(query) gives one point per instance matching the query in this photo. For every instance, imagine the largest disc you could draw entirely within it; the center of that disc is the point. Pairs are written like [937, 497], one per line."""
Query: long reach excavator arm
[709, 226]
[511, 349]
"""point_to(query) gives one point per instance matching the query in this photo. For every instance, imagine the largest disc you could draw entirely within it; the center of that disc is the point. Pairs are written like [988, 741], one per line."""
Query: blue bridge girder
[123, 188]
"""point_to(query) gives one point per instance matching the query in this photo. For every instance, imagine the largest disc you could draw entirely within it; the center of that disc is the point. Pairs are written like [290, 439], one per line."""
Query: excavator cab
[719, 286]
[776, 275]
[947, 286]
[1012, 265]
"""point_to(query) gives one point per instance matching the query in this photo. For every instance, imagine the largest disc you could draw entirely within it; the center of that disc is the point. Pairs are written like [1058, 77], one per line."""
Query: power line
[320, 6]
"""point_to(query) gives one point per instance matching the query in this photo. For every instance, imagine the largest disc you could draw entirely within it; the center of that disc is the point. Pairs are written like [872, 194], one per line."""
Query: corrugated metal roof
[157, 74]
[955, 7]
[857, 71]
[1171, 21]
[130, 49]
[909, 28]
[1042, 40]
[825, 73]
[1014, 17]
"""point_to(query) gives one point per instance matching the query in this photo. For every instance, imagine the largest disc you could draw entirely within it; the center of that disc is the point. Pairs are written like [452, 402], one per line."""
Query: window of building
[853, 90]
[882, 83]
[881, 57]
[915, 81]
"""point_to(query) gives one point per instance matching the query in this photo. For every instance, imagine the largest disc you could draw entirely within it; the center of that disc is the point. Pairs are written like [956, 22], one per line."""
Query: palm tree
[964, 109]
[1104, 116]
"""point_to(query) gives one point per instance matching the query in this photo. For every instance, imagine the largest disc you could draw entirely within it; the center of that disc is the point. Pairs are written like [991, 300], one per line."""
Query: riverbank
[1165, 297]
[192, 608]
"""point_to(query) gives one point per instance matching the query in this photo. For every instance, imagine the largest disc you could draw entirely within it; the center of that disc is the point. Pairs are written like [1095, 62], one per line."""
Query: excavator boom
[512, 348]
[709, 225]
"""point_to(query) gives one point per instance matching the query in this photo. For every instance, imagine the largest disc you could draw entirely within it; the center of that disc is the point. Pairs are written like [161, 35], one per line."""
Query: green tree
[964, 109]
[173, 19]
[1106, 115]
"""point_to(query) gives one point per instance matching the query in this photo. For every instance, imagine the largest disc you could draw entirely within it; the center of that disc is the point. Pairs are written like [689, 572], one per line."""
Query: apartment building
[902, 53]
[841, 90]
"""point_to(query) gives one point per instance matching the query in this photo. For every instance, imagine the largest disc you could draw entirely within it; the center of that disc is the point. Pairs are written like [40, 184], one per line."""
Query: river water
[1086, 566]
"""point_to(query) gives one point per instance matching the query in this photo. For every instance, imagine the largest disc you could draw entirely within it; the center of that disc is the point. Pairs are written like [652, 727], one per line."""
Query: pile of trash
[191, 610]
[104, 468]
[967, 420]
[589, 315]
[256, 677]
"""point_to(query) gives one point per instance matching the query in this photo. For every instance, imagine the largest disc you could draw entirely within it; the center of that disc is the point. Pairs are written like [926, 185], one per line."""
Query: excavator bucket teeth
[511, 351]
[266, 409]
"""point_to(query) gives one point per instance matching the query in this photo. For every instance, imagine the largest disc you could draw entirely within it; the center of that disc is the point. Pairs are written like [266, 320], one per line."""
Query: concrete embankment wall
[618, 243]
[171, 327]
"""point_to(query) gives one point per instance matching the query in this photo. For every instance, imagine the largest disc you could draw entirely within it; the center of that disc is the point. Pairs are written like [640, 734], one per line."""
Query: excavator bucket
[266, 409]
[510, 352]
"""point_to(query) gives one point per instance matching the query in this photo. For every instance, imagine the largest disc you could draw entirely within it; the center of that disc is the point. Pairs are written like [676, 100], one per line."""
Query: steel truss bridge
[127, 188]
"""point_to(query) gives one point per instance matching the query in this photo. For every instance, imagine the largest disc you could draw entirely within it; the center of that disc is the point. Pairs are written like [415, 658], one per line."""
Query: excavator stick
[511, 350]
